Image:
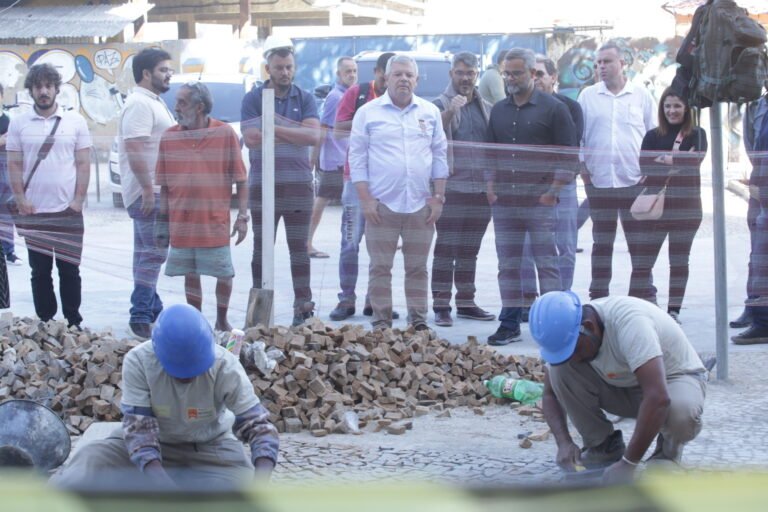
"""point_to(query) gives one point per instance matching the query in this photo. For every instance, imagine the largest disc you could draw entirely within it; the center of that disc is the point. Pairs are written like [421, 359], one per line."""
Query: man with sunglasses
[524, 179]
[624, 356]
[460, 230]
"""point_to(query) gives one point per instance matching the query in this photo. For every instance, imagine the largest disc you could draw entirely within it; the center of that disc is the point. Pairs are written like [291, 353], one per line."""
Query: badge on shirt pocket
[199, 414]
[423, 129]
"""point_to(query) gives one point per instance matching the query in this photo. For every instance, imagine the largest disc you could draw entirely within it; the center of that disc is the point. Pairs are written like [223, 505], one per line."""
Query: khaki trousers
[220, 464]
[381, 241]
[585, 396]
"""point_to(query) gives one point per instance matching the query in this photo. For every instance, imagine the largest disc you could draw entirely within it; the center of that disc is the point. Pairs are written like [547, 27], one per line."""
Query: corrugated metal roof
[69, 21]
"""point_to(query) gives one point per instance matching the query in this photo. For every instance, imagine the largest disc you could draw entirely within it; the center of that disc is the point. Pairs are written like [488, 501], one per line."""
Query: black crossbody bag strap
[42, 153]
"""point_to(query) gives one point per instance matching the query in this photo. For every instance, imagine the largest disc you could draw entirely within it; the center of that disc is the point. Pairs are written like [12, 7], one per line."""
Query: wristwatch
[441, 197]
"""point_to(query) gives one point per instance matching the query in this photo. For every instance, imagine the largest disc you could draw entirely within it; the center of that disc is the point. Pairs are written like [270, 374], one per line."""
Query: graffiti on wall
[649, 62]
[95, 80]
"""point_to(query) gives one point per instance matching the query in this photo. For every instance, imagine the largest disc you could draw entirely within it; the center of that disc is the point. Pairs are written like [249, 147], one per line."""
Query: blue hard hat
[183, 341]
[554, 321]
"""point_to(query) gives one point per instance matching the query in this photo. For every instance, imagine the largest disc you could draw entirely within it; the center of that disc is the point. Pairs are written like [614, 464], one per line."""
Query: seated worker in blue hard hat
[184, 399]
[624, 356]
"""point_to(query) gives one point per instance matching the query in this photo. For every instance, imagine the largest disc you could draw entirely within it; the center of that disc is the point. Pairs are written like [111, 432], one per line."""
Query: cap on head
[183, 341]
[276, 43]
[554, 322]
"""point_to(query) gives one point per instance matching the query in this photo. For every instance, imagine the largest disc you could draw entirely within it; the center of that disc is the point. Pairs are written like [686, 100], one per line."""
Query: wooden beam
[244, 21]
[187, 29]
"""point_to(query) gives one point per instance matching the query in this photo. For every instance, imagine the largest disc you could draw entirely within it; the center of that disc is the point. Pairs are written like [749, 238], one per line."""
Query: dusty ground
[467, 448]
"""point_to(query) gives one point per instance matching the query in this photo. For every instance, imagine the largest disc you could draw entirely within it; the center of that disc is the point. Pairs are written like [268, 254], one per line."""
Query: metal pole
[268, 193]
[721, 279]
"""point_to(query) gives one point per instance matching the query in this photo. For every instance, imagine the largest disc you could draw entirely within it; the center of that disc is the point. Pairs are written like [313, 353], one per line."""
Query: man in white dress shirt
[397, 147]
[617, 114]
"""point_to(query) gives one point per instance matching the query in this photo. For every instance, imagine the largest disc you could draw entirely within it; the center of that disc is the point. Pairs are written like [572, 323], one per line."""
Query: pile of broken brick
[314, 377]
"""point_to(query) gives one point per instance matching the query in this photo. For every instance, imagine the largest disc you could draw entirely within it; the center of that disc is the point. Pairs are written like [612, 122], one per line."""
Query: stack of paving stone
[77, 374]
[311, 377]
[319, 374]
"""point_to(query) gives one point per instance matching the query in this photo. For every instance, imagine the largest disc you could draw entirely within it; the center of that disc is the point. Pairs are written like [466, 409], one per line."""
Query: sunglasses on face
[540, 74]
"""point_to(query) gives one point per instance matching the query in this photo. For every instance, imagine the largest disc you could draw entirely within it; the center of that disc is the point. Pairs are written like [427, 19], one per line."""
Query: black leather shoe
[504, 336]
[475, 313]
[368, 311]
[443, 318]
[299, 317]
[744, 320]
[754, 335]
[302, 313]
[342, 312]
[604, 454]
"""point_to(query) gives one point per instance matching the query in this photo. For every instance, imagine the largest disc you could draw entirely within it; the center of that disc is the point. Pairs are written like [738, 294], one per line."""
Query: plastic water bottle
[525, 391]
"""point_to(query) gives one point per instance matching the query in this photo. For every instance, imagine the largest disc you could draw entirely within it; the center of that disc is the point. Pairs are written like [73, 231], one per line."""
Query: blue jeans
[512, 223]
[566, 236]
[758, 267]
[352, 229]
[147, 260]
[753, 212]
[583, 216]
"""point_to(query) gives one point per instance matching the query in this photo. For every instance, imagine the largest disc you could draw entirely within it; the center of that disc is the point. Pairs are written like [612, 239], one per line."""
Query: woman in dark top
[659, 162]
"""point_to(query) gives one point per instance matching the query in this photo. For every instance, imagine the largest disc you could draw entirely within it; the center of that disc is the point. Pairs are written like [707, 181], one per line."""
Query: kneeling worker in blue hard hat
[624, 356]
[184, 400]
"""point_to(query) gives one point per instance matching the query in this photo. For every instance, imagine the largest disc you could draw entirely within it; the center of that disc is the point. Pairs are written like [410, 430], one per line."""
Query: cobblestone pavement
[305, 460]
[468, 449]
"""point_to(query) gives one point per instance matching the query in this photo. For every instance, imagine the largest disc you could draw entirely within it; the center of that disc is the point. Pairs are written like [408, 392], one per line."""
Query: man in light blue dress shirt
[397, 147]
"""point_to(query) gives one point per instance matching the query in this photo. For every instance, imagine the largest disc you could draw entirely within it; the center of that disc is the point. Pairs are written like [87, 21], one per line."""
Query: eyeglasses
[540, 74]
[465, 74]
[517, 73]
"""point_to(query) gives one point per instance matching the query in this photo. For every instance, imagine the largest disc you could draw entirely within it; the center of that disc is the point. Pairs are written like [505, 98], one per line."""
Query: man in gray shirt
[460, 230]
[492, 87]
[624, 356]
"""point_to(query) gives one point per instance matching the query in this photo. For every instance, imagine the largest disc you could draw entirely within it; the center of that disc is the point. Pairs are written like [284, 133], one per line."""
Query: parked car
[433, 70]
[433, 74]
[227, 92]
